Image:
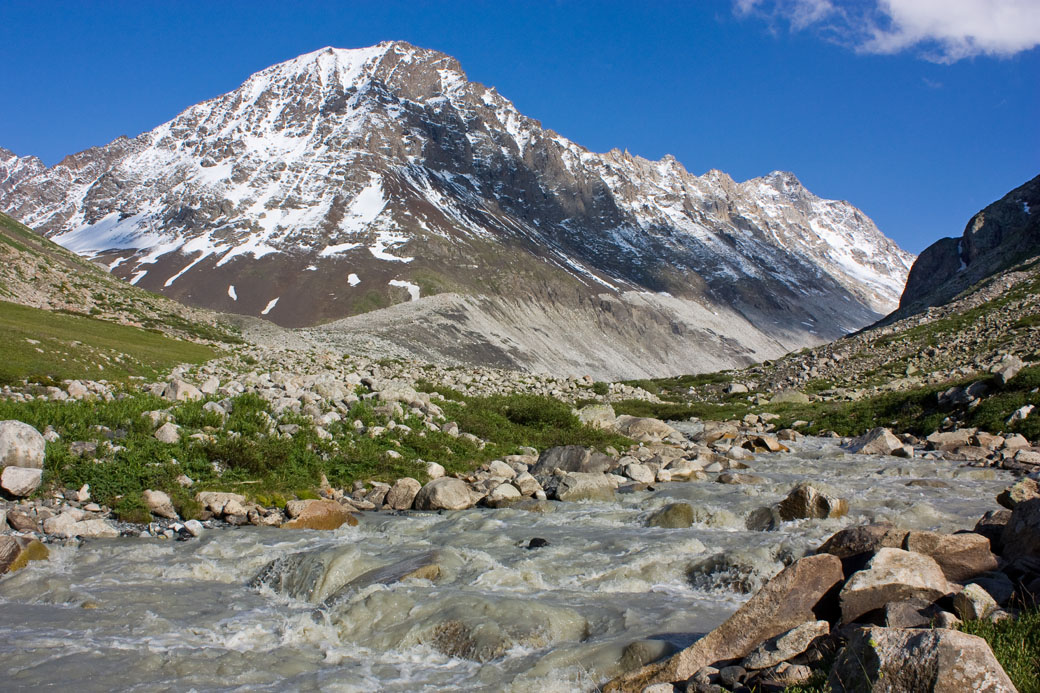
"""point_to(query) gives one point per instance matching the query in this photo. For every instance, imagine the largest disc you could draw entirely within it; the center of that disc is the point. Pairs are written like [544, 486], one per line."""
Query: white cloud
[939, 30]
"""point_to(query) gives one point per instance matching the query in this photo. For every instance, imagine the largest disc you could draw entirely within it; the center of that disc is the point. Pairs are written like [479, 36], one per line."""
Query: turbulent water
[137, 614]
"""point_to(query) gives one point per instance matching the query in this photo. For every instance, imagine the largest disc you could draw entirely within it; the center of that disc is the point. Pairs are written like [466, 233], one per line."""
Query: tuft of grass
[514, 421]
[1016, 644]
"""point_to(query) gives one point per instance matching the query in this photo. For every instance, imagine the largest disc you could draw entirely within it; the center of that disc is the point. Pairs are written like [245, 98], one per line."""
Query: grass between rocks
[1016, 645]
[44, 346]
[913, 411]
[248, 454]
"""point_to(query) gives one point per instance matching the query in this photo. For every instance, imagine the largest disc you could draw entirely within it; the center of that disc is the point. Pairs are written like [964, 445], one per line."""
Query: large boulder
[807, 501]
[446, 493]
[159, 504]
[16, 552]
[878, 441]
[897, 660]
[785, 602]
[790, 397]
[1021, 536]
[892, 575]
[320, 514]
[571, 458]
[961, 556]
[21, 445]
[20, 481]
[863, 539]
[579, 486]
[402, 494]
[180, 391]
[643, 429]
[672, 516]
[597, 415]
[1022, 490]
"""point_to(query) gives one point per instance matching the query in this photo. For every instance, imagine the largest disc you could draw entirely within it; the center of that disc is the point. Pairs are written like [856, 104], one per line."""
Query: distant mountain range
[346, 181]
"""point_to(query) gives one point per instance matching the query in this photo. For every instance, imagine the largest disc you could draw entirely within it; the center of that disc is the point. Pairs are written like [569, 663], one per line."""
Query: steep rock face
[348, 180]
[1001, 235]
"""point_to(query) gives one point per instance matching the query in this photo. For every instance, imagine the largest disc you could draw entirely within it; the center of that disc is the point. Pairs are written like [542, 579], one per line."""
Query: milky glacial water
[143, 614]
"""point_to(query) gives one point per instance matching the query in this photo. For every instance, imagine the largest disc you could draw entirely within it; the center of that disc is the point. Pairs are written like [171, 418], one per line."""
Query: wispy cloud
[943, 31]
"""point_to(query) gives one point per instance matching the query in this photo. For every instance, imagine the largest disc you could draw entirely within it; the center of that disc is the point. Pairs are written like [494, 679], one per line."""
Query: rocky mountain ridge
[1003, 234]
[347, 180]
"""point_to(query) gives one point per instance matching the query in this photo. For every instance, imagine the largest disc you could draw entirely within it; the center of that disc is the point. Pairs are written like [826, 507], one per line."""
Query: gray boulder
[672, 516]
[446, 493]
[402, 494]
[898, 660]
[180, 391]
[21, 445]
[571, 458]
[878, 441]
[20, 481]
[807, 501]
[597, 415]
[579, 486]
[644, 429]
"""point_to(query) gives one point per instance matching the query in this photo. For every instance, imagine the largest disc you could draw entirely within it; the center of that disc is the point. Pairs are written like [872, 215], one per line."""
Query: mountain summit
[344, 181]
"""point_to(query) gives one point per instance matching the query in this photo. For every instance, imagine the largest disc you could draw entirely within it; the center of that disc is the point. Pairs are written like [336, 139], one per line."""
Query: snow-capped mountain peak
[387, 166]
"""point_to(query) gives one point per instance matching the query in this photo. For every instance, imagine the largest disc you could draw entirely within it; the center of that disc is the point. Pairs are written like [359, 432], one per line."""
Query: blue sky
[920, 112]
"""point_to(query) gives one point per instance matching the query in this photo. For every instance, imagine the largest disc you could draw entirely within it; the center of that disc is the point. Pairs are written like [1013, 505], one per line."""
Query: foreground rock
[961, 556]
[21, 445]
[785, 602]
[892, 575]
[16, 552]
[904, 659]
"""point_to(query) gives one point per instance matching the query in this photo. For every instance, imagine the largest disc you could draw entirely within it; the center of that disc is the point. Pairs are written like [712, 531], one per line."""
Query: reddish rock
[961, 556]
[321, 514]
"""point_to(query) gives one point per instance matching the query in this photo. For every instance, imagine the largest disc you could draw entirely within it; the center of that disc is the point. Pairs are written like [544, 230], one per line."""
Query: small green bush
[1016, 645]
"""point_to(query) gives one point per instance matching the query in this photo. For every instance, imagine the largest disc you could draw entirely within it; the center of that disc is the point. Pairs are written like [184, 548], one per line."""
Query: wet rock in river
[786, 601]
[579, 486]
[807, 501]
[319, 514]
[16, 552]
[878, 441]
[672, 516]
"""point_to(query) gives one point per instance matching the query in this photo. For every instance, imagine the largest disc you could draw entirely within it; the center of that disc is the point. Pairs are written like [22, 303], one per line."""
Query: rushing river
[141, 614]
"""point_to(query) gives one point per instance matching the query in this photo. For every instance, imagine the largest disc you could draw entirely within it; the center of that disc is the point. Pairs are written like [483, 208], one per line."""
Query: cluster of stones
[882, 603]
[970, 445]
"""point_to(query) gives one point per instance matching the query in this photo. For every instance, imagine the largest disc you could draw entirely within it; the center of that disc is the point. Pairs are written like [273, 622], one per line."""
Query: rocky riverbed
[555, 596]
